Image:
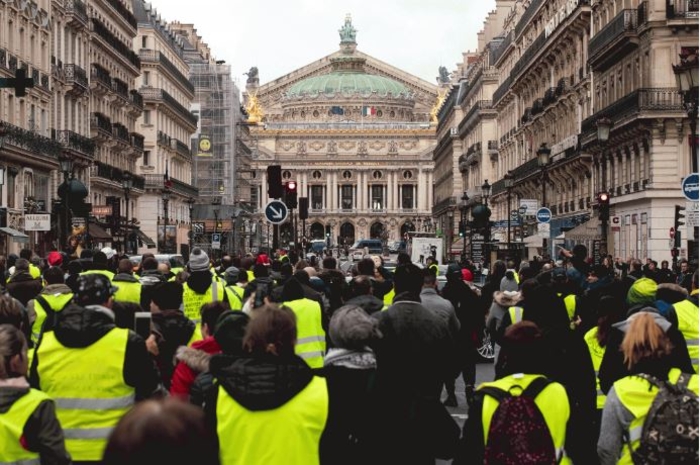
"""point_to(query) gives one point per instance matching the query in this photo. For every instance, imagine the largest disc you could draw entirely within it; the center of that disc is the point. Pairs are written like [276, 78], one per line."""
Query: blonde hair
[12, 342]
[644, 339]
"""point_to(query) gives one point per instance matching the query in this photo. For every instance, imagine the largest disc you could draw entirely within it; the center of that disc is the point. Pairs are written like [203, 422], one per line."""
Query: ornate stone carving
[301, 148]
[347, 145]
[408, 144]
[362, 148]
[317, 145]
[332, 148]
[286, 145]
[377, 145]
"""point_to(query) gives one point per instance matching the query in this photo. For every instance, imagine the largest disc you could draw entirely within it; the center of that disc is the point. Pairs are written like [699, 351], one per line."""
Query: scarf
[358, 359]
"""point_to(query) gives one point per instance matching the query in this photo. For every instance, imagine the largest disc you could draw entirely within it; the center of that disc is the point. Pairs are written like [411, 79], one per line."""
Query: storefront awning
[584, 231]
[145, 239]
[98, 233]
[16, 236]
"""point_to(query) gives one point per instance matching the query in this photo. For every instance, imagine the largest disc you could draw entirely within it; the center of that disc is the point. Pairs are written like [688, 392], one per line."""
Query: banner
[204, 146]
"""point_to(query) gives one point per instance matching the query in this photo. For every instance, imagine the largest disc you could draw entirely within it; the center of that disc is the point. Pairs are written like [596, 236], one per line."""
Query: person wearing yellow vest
[522, 346]
[686, 318]
[311, 337]
[51, 300]
[99, 266]
[21, 285]
[230, 277]
[29, 430]
[201, 288]
[646, 349]
[34, 270]
[565, 291]
[93, 370]
[129, 286]
[269, 408]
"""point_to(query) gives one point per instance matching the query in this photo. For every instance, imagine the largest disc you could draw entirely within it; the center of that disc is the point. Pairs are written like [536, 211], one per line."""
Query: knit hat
[109, 252]
[262, 259]
[229, 331]
[352, 328]
[199, 260]
[467, 275]
[508, 284]
[54, 258]
[643, 291]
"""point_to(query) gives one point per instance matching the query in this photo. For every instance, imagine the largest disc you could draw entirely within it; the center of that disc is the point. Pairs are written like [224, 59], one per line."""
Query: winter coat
[470, 312]
[78, 327]
[149, 279]
[191, 362]
[42, 432]
[172, 329]
[335, 287]
[23, 287]
[442, 307]
[369, 303]
[502, 301]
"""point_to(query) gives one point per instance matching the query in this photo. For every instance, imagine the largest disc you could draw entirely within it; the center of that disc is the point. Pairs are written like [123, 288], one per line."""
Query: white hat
[109, 252]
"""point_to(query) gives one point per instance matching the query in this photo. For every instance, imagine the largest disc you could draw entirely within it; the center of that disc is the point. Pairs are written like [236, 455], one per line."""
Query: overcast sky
[279, 36]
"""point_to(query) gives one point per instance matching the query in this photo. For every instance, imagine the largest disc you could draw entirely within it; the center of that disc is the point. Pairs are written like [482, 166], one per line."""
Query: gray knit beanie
[352, 328]
[199, 260]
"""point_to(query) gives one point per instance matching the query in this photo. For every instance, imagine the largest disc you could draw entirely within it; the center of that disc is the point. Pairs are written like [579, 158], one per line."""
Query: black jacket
[470, 311]
[368, 303]
[335, 287]
[42, 433]
[23, 287]
[172, 329]
[78, 327]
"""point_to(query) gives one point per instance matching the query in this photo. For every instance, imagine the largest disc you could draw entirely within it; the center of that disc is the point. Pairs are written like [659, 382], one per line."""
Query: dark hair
[330, 263]
[25, 253]
[523, 349]
[260, 271]
[429, 277]
[149, 263]
[211, 312]
[271, 325]
[498, 271]
[360, 285]
[403, 258]
[366, 267]
[75, 267]
[11, 311]
[162, 431]
[99, 258]
[292, 290]
[408, 278]
[580, 251]
[125, 266]
[12, 342]
[54, 275]
[286, 269]
[167, 295]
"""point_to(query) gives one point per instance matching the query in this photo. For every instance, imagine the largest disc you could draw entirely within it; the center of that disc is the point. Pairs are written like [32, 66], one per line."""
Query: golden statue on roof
[254, 109]
[442, 93]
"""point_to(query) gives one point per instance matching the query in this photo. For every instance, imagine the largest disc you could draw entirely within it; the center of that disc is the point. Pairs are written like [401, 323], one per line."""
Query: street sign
[544, 215]
[691, 217]
[276, 212]
[514, 215]
[543, 230]
[615, 222]
[216, 240]
[689, 186]
[37, 222]
[197, 228]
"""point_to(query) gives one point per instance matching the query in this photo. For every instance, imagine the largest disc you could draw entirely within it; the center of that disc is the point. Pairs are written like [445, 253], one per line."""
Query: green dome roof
[349, 83]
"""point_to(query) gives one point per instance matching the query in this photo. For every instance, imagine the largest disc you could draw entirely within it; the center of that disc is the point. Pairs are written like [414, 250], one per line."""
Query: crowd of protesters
[267, 360]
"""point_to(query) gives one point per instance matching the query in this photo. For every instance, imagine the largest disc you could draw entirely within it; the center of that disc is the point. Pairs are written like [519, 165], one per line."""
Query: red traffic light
[603, 197]
[292, 185]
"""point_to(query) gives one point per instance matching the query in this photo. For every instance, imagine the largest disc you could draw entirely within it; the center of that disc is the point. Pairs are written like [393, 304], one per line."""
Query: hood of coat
[53, 289]
[507, 298]
[21, 276]
[78, 326]
[151, 277]
[671, 293]
[262, 382]
[11, 389]
[124, 278]
[199, 281]
[368, 303]
[173, 325]
[196, 360]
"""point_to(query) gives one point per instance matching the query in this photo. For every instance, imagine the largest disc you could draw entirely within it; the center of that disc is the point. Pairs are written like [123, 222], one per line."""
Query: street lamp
[463, 222]
[687, 78]
[543, 160]
[127, 183]
[190, 203]
[215, 205]
[165, 195]
[604, 126]
[508, 181]
[485, 193]
[66, 163]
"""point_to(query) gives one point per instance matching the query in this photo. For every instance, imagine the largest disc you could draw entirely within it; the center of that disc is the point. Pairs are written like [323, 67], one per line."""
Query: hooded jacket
[191, 362]
[42, 433]
[23, 287]
[502, 301]
[149, 279]
[369, 303]
[78, 327]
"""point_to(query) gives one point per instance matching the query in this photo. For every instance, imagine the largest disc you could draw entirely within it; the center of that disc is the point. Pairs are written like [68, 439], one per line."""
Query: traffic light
[303, 208]
[290, 194]
[274, 181]
[3, 217]
[462, 229]
[678, 218]
[603, 206]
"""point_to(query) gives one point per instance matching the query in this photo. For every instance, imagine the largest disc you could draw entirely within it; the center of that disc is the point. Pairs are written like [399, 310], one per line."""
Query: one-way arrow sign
[276, 212]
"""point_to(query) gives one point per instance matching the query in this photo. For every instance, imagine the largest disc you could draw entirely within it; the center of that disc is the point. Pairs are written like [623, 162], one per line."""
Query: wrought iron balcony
[100, 79]
[527, 116]
[163, 138]
[113, 175]
[614, 41]
[474, 112]
[30, 141]
[537, 106]
[681, 9]
[156, 182]
[121, 133]
[100, 126]
[76, 13]
[137, 140]
[76, 78]
[183, 149]
[550, 96]
[76, 142]
[152, 56]
[136, 99]
[123, 12]
[121, 90]
[159, 95]
[502, 90]
[120, 47]
[527, 16]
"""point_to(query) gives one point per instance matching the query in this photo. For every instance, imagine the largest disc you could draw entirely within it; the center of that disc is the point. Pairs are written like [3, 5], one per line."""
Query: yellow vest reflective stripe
[637, 395]
[12, 425]
[128, 291]
[389, 297]
[516, 314]
[57, 302]
[88, 387]
[552, 402]
[288, 434]
[107, 273]
[688, 322]
[597, 352]
[311, 338]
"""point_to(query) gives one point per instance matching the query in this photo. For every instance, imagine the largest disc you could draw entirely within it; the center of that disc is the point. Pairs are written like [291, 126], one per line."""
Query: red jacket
[191, 362]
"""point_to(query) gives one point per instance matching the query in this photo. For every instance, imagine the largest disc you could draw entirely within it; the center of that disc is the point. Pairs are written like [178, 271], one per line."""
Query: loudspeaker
[274, 182]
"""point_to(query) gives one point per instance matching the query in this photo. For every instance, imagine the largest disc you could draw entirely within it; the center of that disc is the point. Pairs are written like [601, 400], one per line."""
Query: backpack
[518, 434]
[670, 430]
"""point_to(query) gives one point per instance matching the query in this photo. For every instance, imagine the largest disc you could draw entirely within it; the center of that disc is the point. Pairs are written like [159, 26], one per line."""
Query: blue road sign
[276, 212]
[544, 215]
[689, 186]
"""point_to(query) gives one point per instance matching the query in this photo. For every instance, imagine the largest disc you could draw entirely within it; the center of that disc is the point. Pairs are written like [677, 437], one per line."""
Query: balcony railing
[152, 56]
[30, 140]
[136, 99]
[550, 96]
[527, 16]
[625, 22]
[101, 75]
[101, 122]
[501, 91]
[121, 132]
[120, 88]
[114, 174]
[537, 106]
[123, 12]
[75, 141]
[183, 149]
[76, 75]
[528, 55]
[681, 9]
[76, 8]
[150, 93]
[120, 47]
[137, 140]
[156, 181]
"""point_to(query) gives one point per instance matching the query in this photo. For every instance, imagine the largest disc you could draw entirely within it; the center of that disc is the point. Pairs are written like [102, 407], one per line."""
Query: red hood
[208, 345]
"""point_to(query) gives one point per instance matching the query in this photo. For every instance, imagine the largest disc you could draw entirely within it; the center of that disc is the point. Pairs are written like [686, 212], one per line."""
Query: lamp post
[508, 181]
[66, 163]
[165, 195]
[127, 183]
[604, 125]
[3, 135]
[687, 78]
[190, 203]
[543, 160]
[485, 193]
[215, 205]
[463, 222]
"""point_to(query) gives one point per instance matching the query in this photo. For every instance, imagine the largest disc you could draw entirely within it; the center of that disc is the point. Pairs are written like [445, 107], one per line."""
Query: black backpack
[518, 434]
[670, 430]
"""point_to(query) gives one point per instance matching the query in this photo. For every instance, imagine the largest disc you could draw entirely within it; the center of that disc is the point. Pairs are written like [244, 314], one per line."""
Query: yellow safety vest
[552, 402]
[288, 434]
[597, 352]
[192, 303]
[236, 292]
[311, 338]
[34, 271]
[516, 314]
[251, 275]
[88, 387]
[12, 425]
[128, 291]
[56, 301]
[389, 298]
[637, 395]
[107, 273]
[687, 313]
